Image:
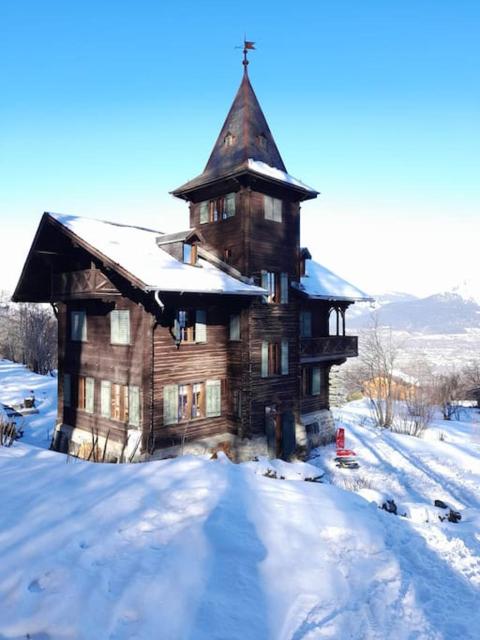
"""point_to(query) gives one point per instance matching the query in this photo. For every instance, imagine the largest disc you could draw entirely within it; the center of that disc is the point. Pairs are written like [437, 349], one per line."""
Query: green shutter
[234, 327]
[316, 381]
[78, 321]
[284, 288]
[284, 357]
[105, 398]
[200, 325]
[120, 326]
[264, 372]
[89, 394]
[170, 404]
[277, 210]
[268, 207]
[203, 212]
[67, 390]
[134, 406]
[230, 205]
[213, 398]
[265, 284]
[305, 324]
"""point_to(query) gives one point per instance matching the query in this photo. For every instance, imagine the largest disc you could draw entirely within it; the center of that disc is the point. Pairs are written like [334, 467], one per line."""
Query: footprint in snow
[34, 587]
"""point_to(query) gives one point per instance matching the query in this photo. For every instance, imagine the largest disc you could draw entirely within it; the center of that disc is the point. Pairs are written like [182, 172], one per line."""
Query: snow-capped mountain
[447, 313]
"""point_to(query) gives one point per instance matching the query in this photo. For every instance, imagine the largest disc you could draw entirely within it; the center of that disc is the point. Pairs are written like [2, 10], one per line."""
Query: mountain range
[451, 312]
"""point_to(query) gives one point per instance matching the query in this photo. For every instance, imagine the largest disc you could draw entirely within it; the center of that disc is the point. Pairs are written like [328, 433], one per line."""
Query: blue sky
[107, 106]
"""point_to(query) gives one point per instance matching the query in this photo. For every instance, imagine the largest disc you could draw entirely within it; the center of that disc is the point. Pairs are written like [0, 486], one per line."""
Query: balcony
[328, 348]
[88, 283]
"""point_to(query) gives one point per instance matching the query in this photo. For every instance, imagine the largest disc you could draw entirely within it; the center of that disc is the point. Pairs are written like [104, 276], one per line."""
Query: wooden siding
[216, 359]
[128, 365]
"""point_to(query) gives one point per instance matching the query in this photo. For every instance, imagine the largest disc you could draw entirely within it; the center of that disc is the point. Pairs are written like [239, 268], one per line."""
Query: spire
[245, 134]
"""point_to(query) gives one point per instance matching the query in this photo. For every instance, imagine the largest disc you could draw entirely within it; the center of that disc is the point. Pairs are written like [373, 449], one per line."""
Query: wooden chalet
[225, 331]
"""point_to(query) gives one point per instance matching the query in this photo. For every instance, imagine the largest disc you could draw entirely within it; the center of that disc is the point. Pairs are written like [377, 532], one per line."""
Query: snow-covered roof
[322, 284]
[272, 172]
[135, 250]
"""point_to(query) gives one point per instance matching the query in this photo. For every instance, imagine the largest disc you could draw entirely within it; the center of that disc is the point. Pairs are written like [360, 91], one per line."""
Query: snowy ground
[17, 383]
[198, 549]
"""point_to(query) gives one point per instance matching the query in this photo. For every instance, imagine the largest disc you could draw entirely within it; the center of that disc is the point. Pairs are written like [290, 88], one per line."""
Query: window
[274, 358]
[198, 400]
[189, 253]
[305, 324]
[262, 141]
[78, 321]
[120, 326]
[191, 325]
[67, 390]
[234, 329]
[312, 379]
[218, 209]
[86, 391]
[191, 401]
[272, 208]
[119, 402]
[229, 140]
[277, 286]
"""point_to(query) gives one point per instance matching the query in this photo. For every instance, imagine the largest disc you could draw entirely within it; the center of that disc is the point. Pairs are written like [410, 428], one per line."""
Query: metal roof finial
[248, 45]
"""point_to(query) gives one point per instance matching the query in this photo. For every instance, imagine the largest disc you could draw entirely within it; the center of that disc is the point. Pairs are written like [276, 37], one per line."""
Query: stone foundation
[318, 428]
[77, 442]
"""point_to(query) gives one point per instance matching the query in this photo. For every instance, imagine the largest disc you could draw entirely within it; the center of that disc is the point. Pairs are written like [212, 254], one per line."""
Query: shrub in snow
[8, 432]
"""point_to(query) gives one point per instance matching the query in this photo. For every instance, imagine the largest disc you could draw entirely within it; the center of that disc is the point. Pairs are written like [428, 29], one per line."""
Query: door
[288, 441]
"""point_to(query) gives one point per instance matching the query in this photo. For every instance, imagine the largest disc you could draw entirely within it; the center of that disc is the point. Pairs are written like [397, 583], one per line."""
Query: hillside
[199, 549]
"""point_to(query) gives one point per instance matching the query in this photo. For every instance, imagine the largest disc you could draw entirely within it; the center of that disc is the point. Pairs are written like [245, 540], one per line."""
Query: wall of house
[215, 359]
[128, 365]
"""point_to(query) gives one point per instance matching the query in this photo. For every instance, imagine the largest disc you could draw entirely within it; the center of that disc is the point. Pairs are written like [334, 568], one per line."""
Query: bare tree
[471, 374]
[28, 334]
[418, 406]
[374, 371]
[449, 390]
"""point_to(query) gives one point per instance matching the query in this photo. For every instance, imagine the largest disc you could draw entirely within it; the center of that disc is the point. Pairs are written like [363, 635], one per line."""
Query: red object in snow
[340, 438]
[340, 444]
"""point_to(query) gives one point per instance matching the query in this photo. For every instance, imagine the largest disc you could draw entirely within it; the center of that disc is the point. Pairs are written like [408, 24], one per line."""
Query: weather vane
[248, 45]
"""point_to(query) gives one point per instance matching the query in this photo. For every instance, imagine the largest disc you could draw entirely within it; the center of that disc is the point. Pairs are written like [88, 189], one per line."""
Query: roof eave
[198, 183]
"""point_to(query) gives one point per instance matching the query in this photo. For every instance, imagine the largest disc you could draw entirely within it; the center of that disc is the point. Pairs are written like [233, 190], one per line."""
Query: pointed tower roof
[245, 144]
[245, 134]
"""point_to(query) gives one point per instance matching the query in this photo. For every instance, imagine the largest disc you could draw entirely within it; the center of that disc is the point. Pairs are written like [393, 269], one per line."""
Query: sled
[344, 458]
[346, 463]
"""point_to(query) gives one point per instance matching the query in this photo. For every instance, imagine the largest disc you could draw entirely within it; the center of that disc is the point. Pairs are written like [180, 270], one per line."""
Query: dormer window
[262, 141]
[190, 253]
[229, 139]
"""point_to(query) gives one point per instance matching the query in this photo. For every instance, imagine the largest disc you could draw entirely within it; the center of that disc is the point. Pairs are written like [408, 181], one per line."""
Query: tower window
[217, 209]
[229, 140]
[262, 141]
[273, 209]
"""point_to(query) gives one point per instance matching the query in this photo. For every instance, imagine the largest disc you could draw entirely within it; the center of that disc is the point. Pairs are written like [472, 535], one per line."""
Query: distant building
[219, 332]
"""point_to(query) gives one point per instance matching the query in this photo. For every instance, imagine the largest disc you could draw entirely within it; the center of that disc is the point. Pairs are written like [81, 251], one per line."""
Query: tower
[246, 208]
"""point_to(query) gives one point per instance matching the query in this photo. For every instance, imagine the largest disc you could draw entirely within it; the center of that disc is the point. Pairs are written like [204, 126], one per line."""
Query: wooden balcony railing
[329, 347]
[81, 284]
